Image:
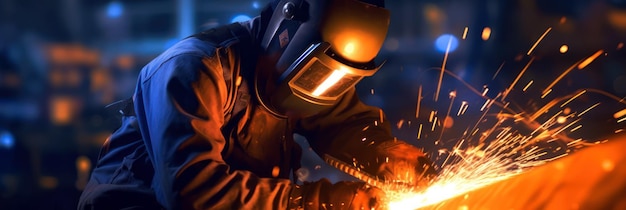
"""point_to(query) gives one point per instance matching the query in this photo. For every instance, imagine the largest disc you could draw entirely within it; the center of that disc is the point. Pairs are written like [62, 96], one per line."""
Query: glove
[341, 195]
[402, 162]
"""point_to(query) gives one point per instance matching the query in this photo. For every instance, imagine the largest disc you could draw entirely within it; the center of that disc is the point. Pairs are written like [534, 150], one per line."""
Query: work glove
[403, 163]
[344, 195]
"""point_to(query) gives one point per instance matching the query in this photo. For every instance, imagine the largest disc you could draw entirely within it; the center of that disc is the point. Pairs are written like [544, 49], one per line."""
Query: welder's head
[319, 49]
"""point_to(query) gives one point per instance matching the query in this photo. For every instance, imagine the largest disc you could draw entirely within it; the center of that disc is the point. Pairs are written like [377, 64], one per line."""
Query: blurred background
[63, 61]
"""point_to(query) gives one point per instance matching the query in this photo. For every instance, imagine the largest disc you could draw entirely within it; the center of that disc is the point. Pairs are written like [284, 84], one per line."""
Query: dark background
[63, 61]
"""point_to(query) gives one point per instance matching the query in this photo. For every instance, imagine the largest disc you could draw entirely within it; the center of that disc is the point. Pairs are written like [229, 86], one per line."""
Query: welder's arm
[180, 107]
[360, 135]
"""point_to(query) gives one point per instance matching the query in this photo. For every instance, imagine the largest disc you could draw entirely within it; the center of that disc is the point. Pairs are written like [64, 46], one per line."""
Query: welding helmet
[320, 49]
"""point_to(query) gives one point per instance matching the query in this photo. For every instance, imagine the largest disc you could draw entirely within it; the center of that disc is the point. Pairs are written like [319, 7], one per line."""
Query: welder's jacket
[200, 140]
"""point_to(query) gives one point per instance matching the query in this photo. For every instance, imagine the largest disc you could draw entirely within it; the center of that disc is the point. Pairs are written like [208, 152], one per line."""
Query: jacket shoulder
[212, 44]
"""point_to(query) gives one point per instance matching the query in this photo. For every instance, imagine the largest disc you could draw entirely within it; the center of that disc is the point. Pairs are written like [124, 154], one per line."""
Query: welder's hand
[404, 163]
[341, 195]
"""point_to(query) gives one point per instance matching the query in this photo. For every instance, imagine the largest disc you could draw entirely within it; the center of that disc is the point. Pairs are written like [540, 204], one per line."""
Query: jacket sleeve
[349, 131]
[180, 105]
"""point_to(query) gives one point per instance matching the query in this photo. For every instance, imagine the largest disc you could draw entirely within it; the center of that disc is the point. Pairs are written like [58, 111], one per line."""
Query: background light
[115, 9]
[441, 44]
[256, 4]
[240, 18]
[6, 140]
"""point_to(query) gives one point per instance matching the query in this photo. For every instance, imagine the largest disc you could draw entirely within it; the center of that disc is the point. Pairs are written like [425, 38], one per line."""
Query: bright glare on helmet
[329, 82]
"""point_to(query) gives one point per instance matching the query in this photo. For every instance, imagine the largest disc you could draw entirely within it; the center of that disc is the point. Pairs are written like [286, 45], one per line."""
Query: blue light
[441, 44]
[256, 4]
[115, 9]
[240, 18]
[6, 140]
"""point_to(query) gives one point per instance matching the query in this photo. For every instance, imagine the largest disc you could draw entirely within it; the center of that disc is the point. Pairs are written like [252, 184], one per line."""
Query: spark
[399, 124]
[586, 110]
[508, 90]
[485, 104]
[527, 85]
[443, 68]
[576, 128]
[419, 101]
[590, 59]
[464, 33]
[462, 108]
[619, 114]
[572, 98]
[546, 93]
[561, 76]
[486, 33]
[539, 40]
[563, 49]
[419, 132]
[498, 71]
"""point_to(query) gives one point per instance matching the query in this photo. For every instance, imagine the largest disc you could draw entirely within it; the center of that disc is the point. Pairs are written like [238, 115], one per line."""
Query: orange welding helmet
[320, 49]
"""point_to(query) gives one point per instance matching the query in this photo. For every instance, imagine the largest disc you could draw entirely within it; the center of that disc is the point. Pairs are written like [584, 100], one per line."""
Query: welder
[211, 123]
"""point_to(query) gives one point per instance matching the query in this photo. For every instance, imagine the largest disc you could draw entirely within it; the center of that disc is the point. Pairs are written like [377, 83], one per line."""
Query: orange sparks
[560, 77]
[432, 115]
[546, 93]
[572, 98]
[619, 114]
[590, 108]
[419, 132]
[590, 59]
[563, 20]
[486, 33]
[539, 40]
[563, 49]
[381, 115]
[506, 92]
[419, 101]
[443, 68]
[465, 33]
[485, 105]
[620, 45]
[498, 71]
[462, 108]
[527, 85]
[399, 124]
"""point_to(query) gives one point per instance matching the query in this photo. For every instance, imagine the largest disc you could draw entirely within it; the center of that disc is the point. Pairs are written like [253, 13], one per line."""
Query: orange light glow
[349, 48]
[590, 59]
[486, 33]
[62, 110]
[563, 48]
[619, 114]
